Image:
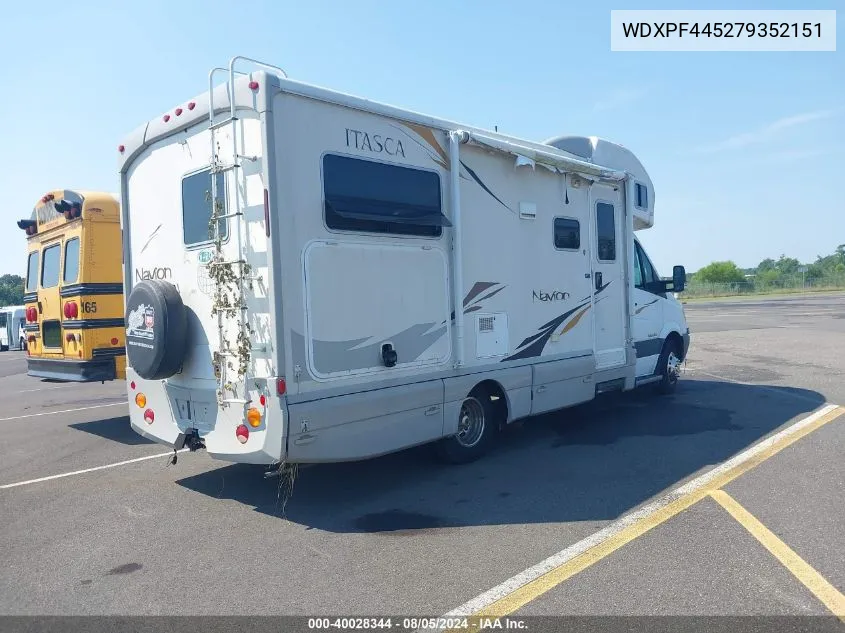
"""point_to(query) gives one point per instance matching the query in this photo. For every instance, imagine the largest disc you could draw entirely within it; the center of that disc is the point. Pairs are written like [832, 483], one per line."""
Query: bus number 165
[89, 307]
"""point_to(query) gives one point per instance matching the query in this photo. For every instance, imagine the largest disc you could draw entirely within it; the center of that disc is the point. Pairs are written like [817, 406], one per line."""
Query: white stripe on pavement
[32, 415]
[88, 470]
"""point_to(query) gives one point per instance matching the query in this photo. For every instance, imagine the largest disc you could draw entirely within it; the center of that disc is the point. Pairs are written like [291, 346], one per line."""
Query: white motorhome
[12, 319]
[315, 277]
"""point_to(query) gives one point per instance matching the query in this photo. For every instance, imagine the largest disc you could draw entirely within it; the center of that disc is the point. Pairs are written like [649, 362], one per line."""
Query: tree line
[772, 271]
[11, 290]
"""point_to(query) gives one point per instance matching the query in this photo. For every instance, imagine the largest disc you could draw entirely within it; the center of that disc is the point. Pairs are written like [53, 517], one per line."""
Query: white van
[12, 319]
[315, 277]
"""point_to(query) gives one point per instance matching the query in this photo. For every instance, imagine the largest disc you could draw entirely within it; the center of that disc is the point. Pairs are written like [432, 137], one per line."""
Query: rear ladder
[237, 270]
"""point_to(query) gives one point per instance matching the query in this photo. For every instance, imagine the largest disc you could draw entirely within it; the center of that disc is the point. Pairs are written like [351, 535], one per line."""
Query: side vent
[491, 335]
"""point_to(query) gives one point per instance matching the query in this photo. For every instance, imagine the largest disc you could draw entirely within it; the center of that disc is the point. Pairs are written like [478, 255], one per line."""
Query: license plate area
[190, 409]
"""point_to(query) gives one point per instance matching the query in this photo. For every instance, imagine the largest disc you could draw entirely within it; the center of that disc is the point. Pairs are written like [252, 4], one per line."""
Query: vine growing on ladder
[228, 278]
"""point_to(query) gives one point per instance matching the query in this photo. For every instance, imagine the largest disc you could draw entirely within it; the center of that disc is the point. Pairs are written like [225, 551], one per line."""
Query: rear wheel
[477, 428]
[669, 367]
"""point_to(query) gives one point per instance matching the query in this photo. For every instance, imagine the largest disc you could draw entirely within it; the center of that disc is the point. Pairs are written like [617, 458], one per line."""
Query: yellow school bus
[74, 288]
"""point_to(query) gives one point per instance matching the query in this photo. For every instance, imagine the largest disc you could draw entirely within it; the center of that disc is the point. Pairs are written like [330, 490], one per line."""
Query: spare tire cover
[156, 328]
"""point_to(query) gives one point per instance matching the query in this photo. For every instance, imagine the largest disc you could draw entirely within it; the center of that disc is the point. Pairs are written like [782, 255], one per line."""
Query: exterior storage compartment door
[366, 300]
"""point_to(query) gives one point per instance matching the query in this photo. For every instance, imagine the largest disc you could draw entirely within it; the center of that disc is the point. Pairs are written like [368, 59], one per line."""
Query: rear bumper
[96, 370]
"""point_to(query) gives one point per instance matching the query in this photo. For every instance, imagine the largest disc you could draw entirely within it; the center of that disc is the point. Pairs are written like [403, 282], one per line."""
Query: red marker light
[121, 148]
[132, 385]
[262, 399]
[178, 111]
[114, 341]
[281, 386]
[149, 416]
[166, 118]
[192, 105]
[253, 85]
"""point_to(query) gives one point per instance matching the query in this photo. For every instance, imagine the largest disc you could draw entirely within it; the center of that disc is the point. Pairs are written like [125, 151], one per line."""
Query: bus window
[32, 272]
[50, 267]
[71, 261]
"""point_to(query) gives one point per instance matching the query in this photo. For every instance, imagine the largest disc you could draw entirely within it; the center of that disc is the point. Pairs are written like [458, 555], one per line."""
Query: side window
[641, 196]
[50, 266]
[32, 272]
[567, 233]
[196, 207]
[606, 231]
[645, 271]
[370, 197]
[638, 269]
[71, 273]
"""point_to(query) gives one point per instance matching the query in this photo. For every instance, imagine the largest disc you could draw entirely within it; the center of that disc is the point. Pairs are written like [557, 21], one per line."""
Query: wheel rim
[673, 367]
[470, 423]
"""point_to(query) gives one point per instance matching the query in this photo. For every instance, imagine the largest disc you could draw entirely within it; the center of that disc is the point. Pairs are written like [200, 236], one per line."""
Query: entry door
[608, 280]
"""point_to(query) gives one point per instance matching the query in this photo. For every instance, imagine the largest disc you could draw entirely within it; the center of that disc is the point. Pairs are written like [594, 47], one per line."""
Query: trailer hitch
[190, 440]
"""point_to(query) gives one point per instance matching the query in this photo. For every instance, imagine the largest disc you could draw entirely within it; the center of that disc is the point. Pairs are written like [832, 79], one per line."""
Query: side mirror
[679, 278]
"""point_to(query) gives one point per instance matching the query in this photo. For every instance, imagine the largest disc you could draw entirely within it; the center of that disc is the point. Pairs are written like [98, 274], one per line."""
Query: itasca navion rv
[315, 277]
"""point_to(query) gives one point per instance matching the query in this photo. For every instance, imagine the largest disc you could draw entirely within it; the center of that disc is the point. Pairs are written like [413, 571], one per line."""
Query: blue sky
[746, 150]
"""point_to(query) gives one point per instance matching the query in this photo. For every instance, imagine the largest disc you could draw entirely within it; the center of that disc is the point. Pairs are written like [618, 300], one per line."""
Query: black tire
[156, 329]
[465, 447]
[668, 379]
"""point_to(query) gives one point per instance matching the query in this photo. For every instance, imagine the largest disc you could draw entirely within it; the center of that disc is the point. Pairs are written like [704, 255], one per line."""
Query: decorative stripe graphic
[643, 307]
[535, 344]
[440, 156]
[483, 186]
[471, 304]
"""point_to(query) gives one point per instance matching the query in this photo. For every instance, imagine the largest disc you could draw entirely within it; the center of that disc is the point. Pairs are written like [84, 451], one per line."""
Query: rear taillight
[31, 315]
[281, 386]
[141, 400]
[149, 416]
[242, 433]
[71, 310]
[253, 416]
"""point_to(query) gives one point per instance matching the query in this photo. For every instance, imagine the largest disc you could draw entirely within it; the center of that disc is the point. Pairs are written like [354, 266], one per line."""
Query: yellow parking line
[532, 590]
[809, 577]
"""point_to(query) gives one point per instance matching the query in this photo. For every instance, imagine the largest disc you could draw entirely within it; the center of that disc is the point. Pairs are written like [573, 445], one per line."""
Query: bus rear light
[253, 416]
[242, 433]
[263, 400]
[253, 85]
[192, 105]
[121, 148]
[71, 310]
[178, 112]
[114, 341]
[69, 338]
[281, 386]
[166, 118]
[141, 400]
[132, 385]
[149, 416]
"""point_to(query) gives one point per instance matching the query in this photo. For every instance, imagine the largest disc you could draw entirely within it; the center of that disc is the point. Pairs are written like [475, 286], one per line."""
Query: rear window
[71, 261]
[32, 272]
[2, 319]
[50, 267]
[371, 197]
[196, 207]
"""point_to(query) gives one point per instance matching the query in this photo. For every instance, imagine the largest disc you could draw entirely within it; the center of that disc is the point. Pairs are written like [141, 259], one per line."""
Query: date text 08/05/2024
[417, 624]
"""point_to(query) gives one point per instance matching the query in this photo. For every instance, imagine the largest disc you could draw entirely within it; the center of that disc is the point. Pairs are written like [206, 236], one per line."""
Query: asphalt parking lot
[624, 506]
